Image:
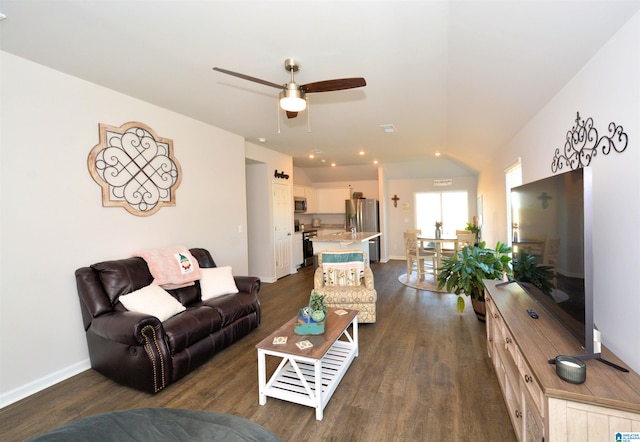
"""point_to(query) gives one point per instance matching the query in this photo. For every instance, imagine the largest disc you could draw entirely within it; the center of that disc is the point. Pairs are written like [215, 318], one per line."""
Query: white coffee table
[310, 376]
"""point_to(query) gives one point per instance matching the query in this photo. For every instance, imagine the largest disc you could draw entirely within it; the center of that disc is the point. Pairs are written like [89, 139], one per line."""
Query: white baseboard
[268, 280]
[22, 392]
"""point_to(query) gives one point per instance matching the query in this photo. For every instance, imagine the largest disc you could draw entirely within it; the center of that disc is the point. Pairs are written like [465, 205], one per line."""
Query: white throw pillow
[152, 300]
[216, 281]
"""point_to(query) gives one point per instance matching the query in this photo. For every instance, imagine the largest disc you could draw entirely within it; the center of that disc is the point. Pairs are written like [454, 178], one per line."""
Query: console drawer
[509, 343]
[532, 385]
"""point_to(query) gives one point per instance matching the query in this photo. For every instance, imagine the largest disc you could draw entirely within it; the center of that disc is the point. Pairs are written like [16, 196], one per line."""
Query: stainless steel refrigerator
[364, 215]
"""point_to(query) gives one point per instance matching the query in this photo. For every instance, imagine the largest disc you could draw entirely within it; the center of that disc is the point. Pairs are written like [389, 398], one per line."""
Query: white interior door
[283, 239]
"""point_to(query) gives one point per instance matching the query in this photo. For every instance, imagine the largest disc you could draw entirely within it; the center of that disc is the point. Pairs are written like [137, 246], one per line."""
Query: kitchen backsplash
[329, 221]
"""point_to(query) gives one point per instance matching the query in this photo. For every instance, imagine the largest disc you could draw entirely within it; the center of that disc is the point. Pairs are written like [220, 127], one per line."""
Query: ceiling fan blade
[247, 77]
[333, 85]
[291, 114]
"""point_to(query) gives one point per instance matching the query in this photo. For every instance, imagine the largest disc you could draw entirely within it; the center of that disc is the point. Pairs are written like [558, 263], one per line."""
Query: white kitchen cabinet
[331, 200]
[298, 191]
[310, 194]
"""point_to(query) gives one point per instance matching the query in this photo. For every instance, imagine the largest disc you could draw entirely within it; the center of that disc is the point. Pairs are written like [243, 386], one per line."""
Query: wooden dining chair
[465, 238]
[415, 253]
[428, 247]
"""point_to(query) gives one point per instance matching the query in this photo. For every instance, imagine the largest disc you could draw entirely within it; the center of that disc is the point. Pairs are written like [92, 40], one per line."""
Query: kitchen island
[344, 241]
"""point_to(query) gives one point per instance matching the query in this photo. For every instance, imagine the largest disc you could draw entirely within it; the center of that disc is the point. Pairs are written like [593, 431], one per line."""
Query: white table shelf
[308, 379]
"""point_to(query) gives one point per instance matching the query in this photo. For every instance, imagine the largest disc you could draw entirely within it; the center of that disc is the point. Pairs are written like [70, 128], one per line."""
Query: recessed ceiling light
[323, 161]
[262, 140]
[388, 128]
[375, 161]
[311, 155]
[361, 153]
[333, 164]
[437, 154]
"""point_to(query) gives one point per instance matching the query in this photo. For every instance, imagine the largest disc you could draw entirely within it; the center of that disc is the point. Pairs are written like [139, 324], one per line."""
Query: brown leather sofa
[141, 352]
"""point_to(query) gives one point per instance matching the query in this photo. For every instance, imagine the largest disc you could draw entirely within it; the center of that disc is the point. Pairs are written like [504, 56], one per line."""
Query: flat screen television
[552, 221]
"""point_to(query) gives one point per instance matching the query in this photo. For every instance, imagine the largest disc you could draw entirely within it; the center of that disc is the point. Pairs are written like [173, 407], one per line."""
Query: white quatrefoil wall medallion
[135, 168]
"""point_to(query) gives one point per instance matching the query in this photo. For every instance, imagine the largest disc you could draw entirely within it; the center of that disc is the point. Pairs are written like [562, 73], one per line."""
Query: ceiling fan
[293, 97]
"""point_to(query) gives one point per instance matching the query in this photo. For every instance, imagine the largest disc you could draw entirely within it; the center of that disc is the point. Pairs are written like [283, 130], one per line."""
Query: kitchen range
[307, 246]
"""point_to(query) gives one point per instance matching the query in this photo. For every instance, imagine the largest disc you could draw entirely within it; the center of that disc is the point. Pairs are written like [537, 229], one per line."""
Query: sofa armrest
[248, 284]
[131, 349]
[368, 278]
[125, 327]
[318, 278]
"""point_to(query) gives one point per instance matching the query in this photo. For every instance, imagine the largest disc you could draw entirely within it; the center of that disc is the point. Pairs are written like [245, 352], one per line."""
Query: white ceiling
[456, 77]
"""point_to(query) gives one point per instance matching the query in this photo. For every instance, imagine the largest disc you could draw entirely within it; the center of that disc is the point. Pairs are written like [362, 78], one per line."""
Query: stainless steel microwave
[299, 204]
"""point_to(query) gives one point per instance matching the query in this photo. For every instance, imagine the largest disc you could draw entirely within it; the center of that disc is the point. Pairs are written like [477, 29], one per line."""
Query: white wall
[403, 216]
[607, 89]
[368, 188]
[53, 222]
[261, 166]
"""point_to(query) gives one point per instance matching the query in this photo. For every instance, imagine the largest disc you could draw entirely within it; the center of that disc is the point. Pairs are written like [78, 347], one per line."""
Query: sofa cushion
[187, 295]
[349, 295]
[233, 307]
[205, 260]
[342, 268]
[190, 326]
[122, 276]
[216, 282]
[152, 300]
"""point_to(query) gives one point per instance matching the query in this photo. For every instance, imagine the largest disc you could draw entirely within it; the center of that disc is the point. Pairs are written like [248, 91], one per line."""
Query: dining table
[437, 247]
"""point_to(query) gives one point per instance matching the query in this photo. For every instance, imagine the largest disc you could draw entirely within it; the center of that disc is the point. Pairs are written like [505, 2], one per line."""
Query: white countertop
[345, 237]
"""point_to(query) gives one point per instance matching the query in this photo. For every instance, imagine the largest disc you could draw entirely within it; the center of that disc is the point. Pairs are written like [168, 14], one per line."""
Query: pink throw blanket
[171, 267]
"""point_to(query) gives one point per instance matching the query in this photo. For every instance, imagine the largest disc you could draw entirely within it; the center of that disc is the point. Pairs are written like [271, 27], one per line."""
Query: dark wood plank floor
[422, 374]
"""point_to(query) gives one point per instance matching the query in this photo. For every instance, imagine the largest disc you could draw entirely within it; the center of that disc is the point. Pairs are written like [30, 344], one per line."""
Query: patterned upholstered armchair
[346, 280]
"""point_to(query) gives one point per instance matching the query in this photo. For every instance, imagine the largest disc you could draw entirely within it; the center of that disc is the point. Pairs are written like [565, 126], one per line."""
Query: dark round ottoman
[159, 424]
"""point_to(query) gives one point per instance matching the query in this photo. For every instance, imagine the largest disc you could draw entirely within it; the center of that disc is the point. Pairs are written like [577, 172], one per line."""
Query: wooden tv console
[542, 406]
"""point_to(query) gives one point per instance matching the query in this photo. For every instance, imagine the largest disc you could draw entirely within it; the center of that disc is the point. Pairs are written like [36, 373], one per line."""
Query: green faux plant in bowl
[317, 306]
[525, 269]
[312, 318]
[463, 273]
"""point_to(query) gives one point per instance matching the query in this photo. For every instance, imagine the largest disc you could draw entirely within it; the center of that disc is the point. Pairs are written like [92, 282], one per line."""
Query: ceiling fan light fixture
[292, 99]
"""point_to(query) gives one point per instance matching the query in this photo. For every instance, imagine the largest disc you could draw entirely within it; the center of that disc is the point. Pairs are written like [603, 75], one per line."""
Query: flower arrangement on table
[438, 229]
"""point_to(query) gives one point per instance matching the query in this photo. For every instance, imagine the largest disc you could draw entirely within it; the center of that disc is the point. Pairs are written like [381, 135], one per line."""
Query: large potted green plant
[463, 273]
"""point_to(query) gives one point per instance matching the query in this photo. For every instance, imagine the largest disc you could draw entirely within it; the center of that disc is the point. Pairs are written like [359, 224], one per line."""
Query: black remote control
[532, 313]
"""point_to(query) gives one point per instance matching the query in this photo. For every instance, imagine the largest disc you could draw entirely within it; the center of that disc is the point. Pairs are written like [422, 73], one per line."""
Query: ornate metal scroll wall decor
[582, 144]
[135, 168]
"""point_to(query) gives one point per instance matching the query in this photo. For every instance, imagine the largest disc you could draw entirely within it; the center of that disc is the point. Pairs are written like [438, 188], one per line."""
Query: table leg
[355, 334]
[318, 381]
[262, 378]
